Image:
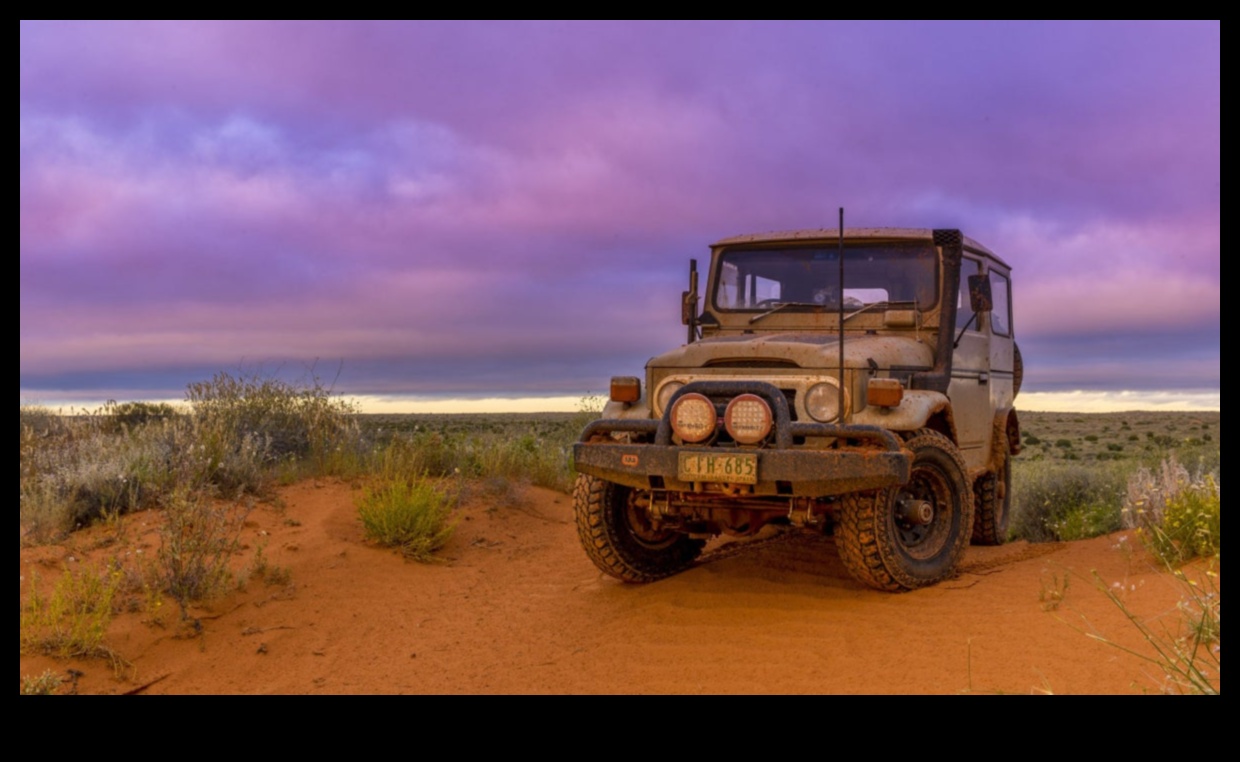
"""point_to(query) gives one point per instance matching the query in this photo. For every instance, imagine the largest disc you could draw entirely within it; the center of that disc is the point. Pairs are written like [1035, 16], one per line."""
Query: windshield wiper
[872, 305]
[779, 306]
[866, 308]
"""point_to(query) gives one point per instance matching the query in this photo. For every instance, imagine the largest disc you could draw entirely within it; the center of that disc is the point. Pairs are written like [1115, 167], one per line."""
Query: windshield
[802, 277]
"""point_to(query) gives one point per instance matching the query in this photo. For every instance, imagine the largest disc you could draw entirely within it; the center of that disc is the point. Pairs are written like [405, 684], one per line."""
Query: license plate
[718, 467]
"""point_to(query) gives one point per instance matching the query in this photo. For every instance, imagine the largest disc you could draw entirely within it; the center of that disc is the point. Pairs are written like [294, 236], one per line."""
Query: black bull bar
[862, 457]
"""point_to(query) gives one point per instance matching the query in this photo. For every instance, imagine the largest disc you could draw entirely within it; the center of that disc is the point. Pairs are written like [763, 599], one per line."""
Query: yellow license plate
[718, 467]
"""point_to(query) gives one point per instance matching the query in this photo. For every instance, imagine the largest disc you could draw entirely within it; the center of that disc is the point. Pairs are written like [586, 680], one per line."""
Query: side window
[1001, 315]
[964, 310]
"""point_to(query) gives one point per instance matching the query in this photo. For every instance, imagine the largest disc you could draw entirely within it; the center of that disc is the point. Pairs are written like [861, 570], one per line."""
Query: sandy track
[518, 608]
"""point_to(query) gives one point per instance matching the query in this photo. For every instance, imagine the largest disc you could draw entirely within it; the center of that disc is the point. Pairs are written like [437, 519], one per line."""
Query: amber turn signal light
[625, 389]
[884, 392]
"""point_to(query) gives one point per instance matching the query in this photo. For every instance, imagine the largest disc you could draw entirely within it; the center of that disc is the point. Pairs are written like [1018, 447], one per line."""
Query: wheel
[992, 505]
[913, 534]
[619, 538]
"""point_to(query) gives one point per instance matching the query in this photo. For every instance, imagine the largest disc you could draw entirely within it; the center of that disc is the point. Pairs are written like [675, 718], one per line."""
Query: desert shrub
[125, 416]
[197, 540]
[289, 419]
[46, 684]
[91, 473]
[1055, 500]
[1064, 443]
[411, 515]
[525, 459]
[37, 421]
[1091, 437]
[73, 619]
[1177, 513]
[1030, 439]
[1088, 520]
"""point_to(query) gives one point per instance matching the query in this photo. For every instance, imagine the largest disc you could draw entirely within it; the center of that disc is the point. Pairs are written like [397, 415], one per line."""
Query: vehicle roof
[832, 234]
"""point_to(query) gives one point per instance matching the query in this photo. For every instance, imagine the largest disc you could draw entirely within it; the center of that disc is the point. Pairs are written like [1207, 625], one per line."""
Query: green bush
[73, 619]
[1176, 513]
[1089, 520]
[411, 515]
[1055, 500]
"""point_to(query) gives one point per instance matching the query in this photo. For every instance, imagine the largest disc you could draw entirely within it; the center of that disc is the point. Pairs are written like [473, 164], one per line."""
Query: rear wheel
[617, 533]
[993, 496]
[913, 534]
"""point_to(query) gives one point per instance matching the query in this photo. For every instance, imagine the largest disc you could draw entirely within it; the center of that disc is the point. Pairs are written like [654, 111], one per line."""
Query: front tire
[914, 534]
[619, 538]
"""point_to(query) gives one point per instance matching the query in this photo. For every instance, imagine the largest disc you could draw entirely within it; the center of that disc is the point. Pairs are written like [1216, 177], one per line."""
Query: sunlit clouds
[502, 210]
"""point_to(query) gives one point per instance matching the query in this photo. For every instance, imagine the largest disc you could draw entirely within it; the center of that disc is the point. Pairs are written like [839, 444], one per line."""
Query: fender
[919, 409]
[1004, 439]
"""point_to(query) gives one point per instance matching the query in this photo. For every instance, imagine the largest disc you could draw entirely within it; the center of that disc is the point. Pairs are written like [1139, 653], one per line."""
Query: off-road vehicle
[858, 382]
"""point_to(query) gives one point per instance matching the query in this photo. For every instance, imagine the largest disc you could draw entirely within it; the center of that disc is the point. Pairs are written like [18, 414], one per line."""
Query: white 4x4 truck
[884, 417]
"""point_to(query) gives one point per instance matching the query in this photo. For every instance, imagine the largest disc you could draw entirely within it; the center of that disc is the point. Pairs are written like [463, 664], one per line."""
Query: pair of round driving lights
[747, 419]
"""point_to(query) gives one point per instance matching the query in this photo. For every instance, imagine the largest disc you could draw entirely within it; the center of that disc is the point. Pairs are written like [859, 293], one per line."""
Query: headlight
[748, 419]
[822, 401]
[693, 418]
[665, 395]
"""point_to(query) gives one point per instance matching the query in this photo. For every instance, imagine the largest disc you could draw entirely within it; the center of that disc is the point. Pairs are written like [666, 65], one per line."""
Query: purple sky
[507, 209]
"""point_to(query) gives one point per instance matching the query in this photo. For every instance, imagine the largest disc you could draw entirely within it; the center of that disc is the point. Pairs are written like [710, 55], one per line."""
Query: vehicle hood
[805, 350]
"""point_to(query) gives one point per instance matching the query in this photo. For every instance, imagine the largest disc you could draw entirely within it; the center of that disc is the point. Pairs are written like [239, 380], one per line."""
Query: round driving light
[748, 419]
[822, 401]
[693, 418]
[665, 395]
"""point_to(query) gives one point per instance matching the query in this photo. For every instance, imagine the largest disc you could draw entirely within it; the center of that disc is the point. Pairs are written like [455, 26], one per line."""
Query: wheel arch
[1005, 437]
[918, 409]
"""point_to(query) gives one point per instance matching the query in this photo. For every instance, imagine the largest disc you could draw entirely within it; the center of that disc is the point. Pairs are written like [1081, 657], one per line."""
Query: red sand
[518, 608]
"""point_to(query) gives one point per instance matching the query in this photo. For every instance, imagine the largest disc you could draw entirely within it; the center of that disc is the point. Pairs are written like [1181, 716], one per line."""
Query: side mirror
[689, 303]
[980, 299]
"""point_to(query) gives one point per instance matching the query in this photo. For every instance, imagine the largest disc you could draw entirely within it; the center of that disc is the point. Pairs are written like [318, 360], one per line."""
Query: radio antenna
[841, 306]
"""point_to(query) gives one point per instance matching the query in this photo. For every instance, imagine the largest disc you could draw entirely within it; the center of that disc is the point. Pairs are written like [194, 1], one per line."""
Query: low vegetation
[73, 619]
[1072, 479]
[1156, 474]
[206, 462]
[409, 514]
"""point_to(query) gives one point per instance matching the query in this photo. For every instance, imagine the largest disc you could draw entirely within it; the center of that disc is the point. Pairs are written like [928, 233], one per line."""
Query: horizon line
[1076, 401]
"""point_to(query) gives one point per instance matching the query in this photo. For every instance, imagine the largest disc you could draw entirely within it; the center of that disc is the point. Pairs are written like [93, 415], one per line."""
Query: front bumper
[861, 458]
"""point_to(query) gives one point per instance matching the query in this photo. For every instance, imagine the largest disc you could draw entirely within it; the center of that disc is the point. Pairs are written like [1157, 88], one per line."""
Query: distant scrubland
[239, 437]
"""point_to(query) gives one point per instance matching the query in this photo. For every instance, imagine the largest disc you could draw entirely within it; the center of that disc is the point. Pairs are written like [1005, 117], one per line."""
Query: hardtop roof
[829, 235]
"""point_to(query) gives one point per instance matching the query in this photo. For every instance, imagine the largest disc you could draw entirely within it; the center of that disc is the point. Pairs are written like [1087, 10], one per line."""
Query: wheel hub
[915, 512]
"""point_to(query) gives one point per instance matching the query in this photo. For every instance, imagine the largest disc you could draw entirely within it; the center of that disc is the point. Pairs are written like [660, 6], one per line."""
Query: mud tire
[619, 541]
[993, 505]
[886, 553]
